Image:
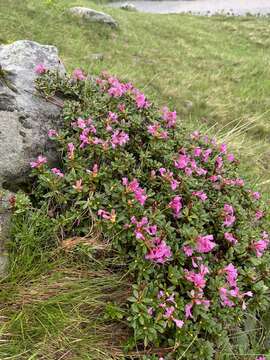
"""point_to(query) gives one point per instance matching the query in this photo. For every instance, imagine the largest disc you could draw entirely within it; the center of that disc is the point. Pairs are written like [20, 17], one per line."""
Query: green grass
[214, 71]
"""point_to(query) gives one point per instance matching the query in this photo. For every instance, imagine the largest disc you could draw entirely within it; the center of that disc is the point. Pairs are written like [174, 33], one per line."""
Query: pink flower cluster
[78, 185]
[168, 176]
[78, 75]
[231, 291]
[116, 88]
[134, 187]
[83, 123]
[52, 133]
[111, 216]
[200, 194]
[70, 151]
[176, 205]
[168, 304]
[205, 244]
[41, 160]
[143, 228]
[141, 101]
[169, 117]
[94, 171]
[197, 295]
[229, 237]
[119, 138]
[229, 218]
[198, 279]
[57, 172]
[188, 165]
[261, 245]
[40, 69]
[160, 253]
[156, 131]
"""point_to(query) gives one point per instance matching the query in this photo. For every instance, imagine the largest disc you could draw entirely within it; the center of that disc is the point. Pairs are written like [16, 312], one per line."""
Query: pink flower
[174, 184]
[188, 313]
[229, 219]
[121, 107]
[197, 151]
[71, 149]
[140, 196]
[169, 312]
[205, 243]
[231, 273]
[119, 138]
[201, 171]
[169, 117]
[41, 160]
[150, 311]
[78, 75]
[111, 216]
[79, 123]
[223, 148]
[259, 214]
[160, 254]
[113, 116]
[200, 194]
[206, 154]
[187, 250]
[141, 101]
[153, 129]
[225, 301]
[57, 172]
[178, 323]
[239, 182]
[78, 186]
[260, 246]
[182, 161]
[261, 358]
[229, 236]
[219, 163]
[196, 278]
[228, 209]
[188, 171]
[134, 187]
[230, 157]
[116, 91]
[214, 178]
[256, 195]
[195, 135]
[94, 171]
[52, 133]
[176, 205]
[40, 69]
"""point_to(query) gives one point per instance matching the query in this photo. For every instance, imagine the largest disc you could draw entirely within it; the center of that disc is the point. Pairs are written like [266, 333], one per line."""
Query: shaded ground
[203, 7]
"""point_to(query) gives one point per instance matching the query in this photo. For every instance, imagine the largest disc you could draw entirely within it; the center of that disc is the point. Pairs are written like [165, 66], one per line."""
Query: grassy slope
[215, 71]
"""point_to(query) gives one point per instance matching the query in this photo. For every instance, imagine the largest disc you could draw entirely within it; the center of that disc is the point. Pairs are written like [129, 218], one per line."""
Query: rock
[93, 15]
[25, 118]
[128, 7]
[5, 216]
[96, 57]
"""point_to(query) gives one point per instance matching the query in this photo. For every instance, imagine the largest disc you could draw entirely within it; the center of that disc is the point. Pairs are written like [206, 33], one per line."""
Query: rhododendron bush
[194, 236]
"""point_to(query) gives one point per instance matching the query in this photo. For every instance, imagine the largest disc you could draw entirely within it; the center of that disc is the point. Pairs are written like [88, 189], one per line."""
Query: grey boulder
[128, 7]
[25, 117]
[92, 15]
[5, 217]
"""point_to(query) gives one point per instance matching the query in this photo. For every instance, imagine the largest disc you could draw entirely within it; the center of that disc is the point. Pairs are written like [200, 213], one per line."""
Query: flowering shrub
[193, 234]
